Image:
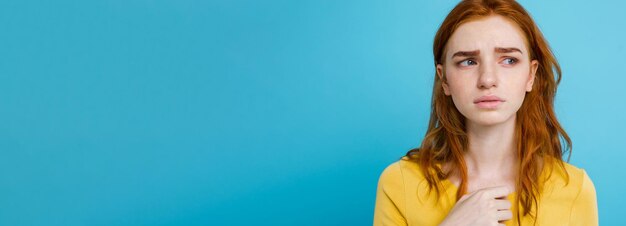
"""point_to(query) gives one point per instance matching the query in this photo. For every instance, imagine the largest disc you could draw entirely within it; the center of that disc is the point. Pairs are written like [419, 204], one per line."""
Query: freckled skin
[507, 75]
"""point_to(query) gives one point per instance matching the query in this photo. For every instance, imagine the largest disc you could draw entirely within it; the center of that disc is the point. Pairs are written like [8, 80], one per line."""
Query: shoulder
[581, 193]
[391, 199]
[570, 176]
[391, 176]
[402, 176]
[581, 182]
[400, 171]
[571, 181]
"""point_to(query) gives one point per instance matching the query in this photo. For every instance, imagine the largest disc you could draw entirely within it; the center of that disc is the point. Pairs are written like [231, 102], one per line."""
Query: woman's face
[487, 70]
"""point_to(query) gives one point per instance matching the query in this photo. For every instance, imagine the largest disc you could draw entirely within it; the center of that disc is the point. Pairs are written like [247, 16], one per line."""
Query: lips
[488, 102]
[488, 98]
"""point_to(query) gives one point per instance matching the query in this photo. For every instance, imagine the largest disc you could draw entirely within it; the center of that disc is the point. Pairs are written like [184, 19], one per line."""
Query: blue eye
[467, 62]
[510, 61]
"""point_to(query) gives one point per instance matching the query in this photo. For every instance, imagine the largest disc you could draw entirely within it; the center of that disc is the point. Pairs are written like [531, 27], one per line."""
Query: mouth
[488, 102]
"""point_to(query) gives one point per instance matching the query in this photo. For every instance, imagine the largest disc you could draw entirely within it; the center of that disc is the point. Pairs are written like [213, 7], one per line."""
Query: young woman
[492, 154]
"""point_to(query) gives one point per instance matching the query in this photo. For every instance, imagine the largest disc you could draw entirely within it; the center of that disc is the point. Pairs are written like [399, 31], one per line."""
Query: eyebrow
[507, 50]
[477, 52]
[466, 53]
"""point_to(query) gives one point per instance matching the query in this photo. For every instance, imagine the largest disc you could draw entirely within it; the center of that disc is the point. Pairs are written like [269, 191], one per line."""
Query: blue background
[153, 112]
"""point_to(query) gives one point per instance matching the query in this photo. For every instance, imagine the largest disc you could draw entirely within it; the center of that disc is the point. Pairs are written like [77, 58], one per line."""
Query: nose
[487, 77]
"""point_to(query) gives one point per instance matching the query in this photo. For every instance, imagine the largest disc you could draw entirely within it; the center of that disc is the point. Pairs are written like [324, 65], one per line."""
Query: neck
[492, 151]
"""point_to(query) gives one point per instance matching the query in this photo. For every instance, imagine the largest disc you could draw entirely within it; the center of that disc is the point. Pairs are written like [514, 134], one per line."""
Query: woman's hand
[484, 207]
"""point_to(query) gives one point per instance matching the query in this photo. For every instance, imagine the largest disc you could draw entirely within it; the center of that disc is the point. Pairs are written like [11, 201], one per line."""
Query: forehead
[485, 34]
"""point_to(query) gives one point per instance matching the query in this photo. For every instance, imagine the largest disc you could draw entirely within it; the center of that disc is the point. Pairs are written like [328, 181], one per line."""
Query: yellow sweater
[402, 198]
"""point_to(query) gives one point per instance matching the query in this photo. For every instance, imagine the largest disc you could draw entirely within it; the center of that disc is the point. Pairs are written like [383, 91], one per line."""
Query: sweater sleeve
[390, 200]
[585, 207]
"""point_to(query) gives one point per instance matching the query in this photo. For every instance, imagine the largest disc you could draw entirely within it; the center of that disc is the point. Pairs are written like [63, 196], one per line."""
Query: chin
[489, 118]
[487, 122]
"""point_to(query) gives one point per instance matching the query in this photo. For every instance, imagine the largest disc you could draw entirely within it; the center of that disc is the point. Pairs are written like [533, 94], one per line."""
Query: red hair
[538, 135]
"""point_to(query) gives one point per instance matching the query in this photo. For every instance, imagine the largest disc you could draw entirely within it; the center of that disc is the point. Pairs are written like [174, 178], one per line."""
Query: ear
[534, 64]
[444, 83]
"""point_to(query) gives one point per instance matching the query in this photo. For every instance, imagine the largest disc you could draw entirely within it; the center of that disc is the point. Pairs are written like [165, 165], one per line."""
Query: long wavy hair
[538, 135]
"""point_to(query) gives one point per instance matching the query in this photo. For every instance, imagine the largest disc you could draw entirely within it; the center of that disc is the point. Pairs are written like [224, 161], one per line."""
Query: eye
[510, 61]
[466, 63]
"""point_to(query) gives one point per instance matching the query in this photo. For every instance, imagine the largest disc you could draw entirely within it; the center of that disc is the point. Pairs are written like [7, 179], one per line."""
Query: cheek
[517, 80]
[459, 84]
[515, 88]
[461, 92]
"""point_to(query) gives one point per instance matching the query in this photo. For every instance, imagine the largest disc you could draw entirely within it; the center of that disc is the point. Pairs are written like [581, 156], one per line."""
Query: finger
[489, 193]
[503, 215]
[490, 190]
[497, 192]
[502, 204]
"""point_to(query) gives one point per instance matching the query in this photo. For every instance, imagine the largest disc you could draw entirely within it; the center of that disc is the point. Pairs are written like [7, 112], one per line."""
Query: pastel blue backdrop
[155, 112]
